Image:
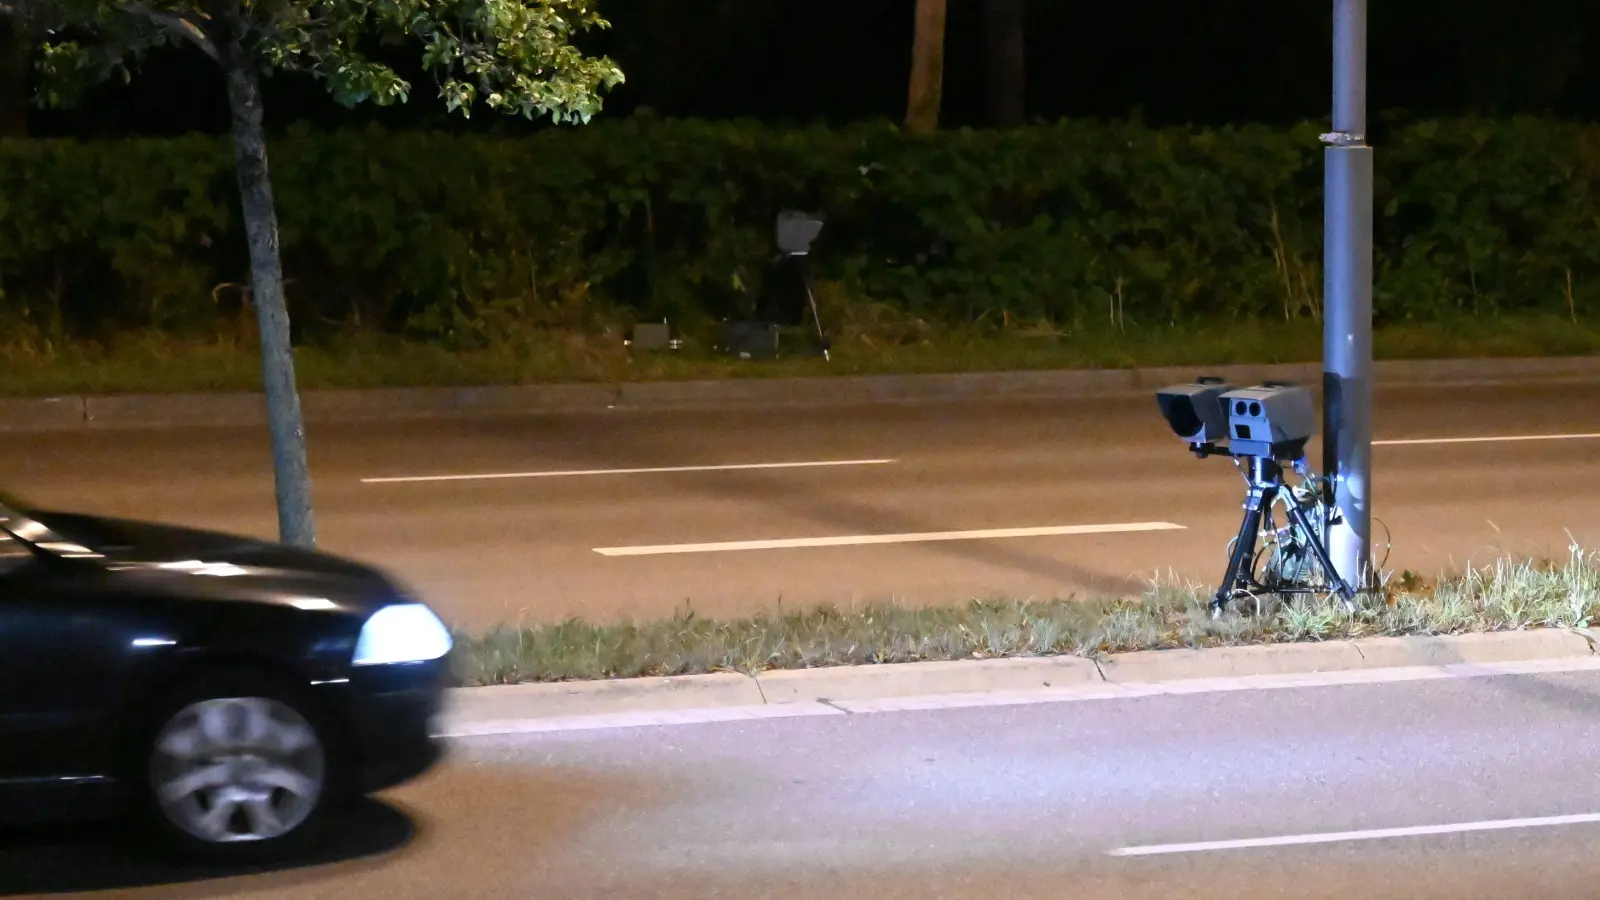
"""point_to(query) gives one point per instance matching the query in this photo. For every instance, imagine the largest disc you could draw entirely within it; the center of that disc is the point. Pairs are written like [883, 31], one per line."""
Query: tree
[927, 68]
[1006, 62]
[516, 56]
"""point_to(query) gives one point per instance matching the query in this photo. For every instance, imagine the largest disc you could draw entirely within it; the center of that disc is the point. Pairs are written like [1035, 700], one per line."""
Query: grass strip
[1508, 595]
[152, 362]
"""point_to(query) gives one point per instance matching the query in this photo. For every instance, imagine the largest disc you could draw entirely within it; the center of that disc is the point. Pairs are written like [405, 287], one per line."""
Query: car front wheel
[237, 769]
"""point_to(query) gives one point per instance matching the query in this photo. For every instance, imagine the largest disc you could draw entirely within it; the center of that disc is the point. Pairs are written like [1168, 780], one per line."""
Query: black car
[227, 693]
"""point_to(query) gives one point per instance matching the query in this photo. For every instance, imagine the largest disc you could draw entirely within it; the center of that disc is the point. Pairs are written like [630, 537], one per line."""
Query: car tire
[237, 767]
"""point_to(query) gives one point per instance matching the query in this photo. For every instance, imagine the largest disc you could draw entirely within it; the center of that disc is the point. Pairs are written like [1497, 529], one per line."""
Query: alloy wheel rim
[238, 769]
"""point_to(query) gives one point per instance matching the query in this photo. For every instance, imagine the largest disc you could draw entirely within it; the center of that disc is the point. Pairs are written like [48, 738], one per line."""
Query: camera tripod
[1290, 558]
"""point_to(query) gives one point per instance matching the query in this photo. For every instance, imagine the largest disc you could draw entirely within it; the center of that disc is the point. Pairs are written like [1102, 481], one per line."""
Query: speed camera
[1271, 421]
[1195, 412]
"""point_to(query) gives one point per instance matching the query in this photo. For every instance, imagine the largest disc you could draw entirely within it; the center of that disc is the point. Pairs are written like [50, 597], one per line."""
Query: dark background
[1168, 61]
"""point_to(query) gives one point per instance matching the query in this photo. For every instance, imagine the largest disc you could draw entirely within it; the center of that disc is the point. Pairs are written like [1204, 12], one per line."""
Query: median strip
[1508, 619]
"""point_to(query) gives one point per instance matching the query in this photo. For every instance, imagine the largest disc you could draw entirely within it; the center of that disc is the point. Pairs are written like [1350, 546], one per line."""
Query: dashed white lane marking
[653, 470]
[1417, 442]
[1375, 834]
[859, 539]
[456, 727]
[571, 473]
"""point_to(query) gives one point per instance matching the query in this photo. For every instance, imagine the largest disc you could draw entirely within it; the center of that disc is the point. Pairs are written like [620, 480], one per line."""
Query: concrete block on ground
[873, 682]
[1232, 662]
[133, 410]
[1492, 647]
[41, 413]
[585, 698]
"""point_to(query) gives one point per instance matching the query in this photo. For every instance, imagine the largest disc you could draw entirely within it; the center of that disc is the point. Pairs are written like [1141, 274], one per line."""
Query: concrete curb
[245, 408]
[526, 708]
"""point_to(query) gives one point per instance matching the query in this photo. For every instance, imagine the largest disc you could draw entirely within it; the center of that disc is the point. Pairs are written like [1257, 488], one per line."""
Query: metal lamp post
[1347, 321]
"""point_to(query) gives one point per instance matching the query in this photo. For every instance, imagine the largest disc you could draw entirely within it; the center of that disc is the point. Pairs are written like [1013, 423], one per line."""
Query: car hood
[228, 565]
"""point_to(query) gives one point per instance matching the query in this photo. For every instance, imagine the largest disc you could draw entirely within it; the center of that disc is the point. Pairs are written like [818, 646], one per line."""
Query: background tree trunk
[1006, 61]
[927, 68]
[289, 465]
[15, 67]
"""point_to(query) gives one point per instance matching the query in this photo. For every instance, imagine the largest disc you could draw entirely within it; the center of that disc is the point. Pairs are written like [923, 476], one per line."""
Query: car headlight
[403, 633]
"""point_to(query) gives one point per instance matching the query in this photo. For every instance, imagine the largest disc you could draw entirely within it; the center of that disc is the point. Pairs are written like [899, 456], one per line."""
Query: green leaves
[514, 56]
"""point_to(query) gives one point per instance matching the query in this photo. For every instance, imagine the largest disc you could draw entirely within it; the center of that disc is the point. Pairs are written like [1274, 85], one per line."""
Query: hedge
[443, 236]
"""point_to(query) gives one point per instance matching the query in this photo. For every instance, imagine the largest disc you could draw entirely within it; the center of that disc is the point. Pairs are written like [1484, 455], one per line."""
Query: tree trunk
[927, 69]
[289, 466]
[15, 60]
[1005, 30]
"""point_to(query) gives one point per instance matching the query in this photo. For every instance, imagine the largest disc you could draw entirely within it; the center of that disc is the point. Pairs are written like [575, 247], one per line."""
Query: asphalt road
[486, 550]
[1016, 802]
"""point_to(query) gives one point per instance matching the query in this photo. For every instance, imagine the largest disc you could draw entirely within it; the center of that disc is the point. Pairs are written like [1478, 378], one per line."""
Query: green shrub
[450, 238]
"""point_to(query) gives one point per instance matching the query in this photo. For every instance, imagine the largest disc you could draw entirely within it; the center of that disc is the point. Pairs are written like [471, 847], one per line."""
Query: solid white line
[649, 471]
[1346, 836]
[1417, 442]
[859, 539]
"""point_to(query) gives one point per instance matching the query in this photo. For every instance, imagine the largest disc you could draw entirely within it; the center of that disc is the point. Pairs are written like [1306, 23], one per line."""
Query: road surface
[972, 804]
[525, 548]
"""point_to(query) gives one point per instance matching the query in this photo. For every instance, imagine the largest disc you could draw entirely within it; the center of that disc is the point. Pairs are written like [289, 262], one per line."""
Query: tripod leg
[1259, 498]
[816, 315]
[1297, 515]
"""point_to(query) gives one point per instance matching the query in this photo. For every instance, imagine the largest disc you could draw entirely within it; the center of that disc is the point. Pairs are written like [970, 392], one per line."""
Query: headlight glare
[403, 633]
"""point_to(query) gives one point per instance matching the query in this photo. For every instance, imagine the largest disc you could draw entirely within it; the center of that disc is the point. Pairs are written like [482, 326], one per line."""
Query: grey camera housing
[1270, 421]
[1195, 411]
[797, 231]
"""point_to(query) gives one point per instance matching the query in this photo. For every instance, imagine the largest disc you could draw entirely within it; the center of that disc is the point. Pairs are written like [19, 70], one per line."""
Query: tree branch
[176, 24]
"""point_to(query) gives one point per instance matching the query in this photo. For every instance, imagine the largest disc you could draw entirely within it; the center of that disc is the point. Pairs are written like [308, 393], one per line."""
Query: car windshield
[9, 515]
[21, 531]
[12, 551]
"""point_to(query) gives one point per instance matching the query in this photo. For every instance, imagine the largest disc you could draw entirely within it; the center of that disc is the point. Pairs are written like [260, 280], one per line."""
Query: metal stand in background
[1347, 322]
[757, 337]
[796, 233]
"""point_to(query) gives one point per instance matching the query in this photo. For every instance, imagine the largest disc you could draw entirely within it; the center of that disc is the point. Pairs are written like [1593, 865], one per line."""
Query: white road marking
[646, 471]
[860, 539]
[655, 470]
[1346, 836]
[1417, 442]
[455, 727]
